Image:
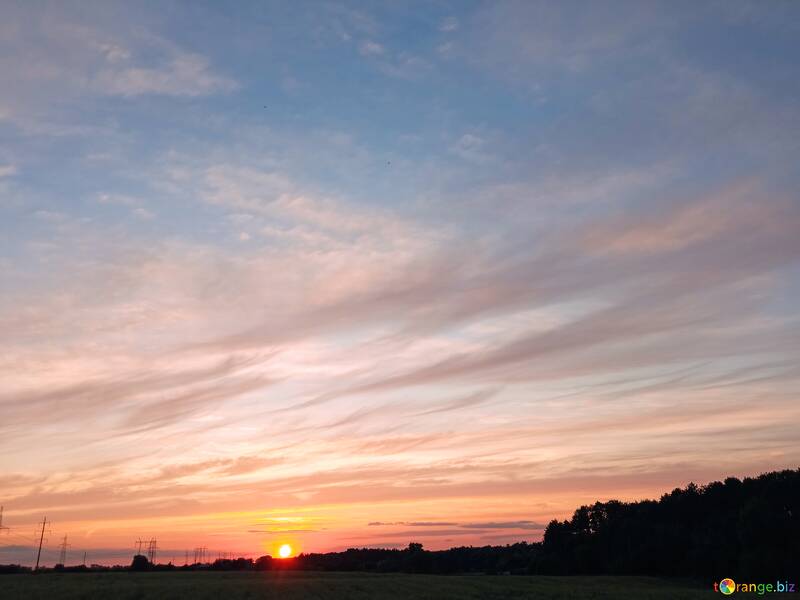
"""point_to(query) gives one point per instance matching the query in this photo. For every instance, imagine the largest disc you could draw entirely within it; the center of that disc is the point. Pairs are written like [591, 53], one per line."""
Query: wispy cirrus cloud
[78, 60]
[378, 296]
[181, 75]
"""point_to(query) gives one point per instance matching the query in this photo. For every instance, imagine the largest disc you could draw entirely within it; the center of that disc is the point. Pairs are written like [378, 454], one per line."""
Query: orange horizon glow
[437, 524]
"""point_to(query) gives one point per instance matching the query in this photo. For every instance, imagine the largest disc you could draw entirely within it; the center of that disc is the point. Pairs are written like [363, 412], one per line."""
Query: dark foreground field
[336, 586]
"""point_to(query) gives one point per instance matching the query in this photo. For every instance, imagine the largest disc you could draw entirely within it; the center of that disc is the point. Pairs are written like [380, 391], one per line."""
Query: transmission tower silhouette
[1, 522]
[200, 555]
[151, 550]
[62, 557]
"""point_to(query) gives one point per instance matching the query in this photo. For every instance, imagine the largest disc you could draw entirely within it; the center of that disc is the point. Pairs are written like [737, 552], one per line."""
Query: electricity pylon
[62, 557]
[1, 522]
[151, 550]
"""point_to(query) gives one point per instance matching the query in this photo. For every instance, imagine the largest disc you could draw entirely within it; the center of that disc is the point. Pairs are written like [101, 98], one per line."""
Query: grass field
[336, 586]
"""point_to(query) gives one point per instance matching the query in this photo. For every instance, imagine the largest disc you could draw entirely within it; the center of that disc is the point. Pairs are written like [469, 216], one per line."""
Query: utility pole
[84, 559]
[41, 539]
[186, 559]
[139, 543]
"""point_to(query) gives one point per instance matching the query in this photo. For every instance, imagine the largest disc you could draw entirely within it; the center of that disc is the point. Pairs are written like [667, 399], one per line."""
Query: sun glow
[285, 551]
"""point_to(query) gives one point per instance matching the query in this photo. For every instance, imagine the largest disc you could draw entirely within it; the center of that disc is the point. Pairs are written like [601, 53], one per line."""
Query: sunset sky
[343, 274]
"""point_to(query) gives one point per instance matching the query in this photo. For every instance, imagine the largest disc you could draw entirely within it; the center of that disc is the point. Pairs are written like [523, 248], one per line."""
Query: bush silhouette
[140, 563]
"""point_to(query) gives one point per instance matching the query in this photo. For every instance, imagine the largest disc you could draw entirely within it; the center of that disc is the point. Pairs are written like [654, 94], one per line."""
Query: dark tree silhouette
[747, 529]
[140, 563]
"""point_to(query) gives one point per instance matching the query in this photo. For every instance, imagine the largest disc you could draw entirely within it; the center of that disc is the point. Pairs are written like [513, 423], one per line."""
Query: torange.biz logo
[727, 586]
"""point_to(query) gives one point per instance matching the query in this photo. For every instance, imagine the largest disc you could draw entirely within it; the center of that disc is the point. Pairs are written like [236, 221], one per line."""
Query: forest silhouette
[748, 527]
[744, 528]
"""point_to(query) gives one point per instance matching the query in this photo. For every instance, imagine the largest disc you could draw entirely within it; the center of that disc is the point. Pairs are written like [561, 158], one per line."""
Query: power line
[26, 539]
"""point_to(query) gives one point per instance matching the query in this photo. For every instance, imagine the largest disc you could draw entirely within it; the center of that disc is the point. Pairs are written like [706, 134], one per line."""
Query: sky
[360, 274]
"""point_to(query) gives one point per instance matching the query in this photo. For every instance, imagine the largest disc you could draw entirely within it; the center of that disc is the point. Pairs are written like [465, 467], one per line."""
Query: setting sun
[285, 551]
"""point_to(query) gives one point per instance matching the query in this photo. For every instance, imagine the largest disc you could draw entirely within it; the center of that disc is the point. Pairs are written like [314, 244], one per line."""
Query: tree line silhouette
[747, 527]
[737, 528]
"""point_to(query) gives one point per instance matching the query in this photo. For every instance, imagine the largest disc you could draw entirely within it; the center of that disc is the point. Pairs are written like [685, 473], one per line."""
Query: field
[336, 586]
